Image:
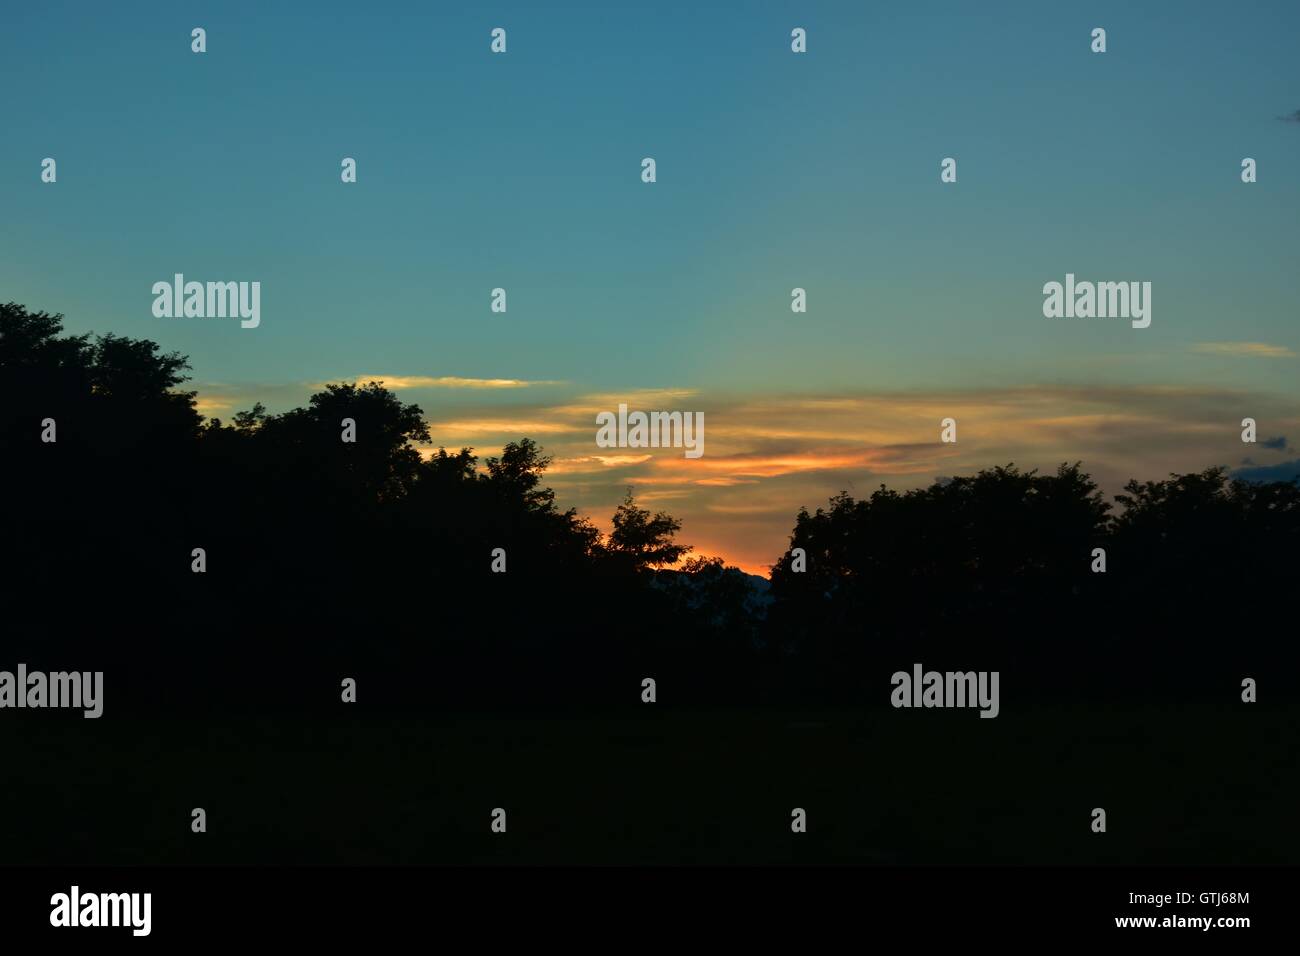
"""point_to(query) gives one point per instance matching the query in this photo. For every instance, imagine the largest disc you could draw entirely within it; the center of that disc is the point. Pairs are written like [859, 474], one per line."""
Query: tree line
[325, 559]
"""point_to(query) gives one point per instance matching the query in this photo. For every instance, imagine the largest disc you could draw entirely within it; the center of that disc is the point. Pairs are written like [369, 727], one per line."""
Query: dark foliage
[328, 559]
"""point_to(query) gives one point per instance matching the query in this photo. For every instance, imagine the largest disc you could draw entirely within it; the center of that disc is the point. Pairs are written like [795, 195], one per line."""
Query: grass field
[657, 786]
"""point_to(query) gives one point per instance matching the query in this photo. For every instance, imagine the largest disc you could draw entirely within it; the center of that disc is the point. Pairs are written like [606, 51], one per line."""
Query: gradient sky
[775, 170]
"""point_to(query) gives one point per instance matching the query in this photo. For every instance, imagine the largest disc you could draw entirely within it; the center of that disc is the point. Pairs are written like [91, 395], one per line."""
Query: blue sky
[775, 170]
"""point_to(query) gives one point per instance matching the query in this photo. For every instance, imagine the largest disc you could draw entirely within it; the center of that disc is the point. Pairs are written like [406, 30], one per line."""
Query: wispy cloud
[1244, 349]
[593, 464]
[444, 381]
[511, 429]
[207, 404]
[1290, 118]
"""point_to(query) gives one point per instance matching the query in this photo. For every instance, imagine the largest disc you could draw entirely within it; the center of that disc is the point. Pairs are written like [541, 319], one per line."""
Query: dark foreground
[657, 786]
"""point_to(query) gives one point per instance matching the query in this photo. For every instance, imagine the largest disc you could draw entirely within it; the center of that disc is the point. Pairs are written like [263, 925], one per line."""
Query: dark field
[659, 786]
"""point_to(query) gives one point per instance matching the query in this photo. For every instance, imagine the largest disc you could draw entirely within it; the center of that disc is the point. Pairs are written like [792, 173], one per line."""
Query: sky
[775, 170]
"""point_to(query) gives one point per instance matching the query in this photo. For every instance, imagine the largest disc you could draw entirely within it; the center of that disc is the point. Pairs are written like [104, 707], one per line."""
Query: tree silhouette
[324, 555]
[643, 541]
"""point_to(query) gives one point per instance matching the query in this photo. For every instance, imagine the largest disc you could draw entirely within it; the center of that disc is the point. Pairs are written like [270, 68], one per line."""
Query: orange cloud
[495, 427]
[208, 404]
[443, 381]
